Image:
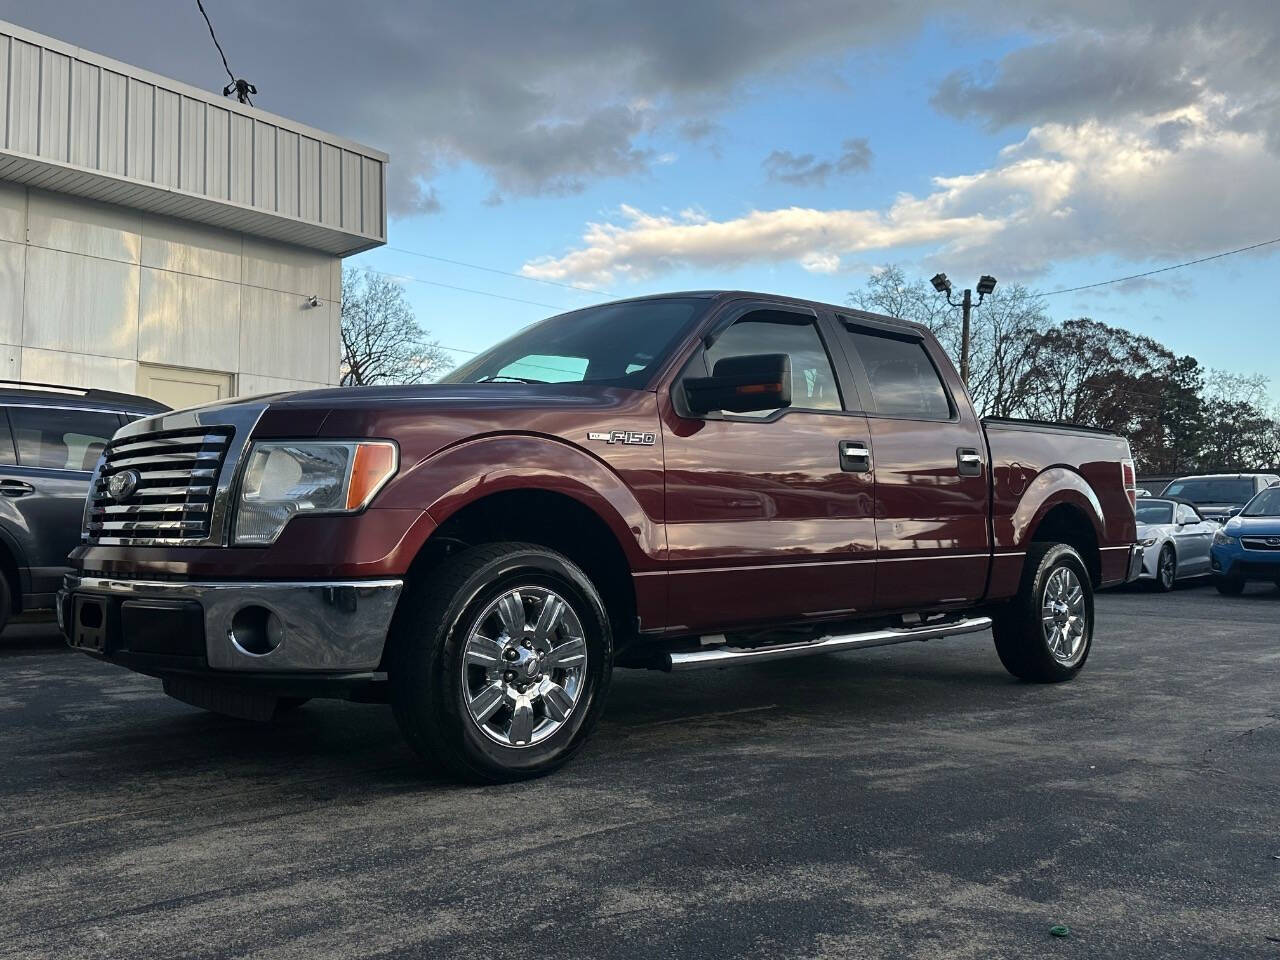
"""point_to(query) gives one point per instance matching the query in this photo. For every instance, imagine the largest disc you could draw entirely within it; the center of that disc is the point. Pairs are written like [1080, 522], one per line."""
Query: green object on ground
[1060, 930]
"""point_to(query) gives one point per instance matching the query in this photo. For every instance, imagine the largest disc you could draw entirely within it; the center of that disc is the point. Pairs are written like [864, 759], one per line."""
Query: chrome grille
[175, 487]
[1260, 543]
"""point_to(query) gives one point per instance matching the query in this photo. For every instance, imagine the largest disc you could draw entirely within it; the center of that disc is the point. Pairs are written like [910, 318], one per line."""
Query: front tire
[1045, 633]
[499, 662]
[1229, 586]
[1166, 570]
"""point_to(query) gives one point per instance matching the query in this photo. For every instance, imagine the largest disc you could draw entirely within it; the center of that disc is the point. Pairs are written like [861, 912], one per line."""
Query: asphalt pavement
[910, 801]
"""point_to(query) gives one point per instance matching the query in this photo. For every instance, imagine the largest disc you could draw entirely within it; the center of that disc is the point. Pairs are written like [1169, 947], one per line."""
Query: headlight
[286, 478]
[1221, 539]
[1149, 542]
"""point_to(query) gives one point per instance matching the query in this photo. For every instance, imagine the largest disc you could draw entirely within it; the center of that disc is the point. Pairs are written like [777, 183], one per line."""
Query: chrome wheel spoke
[571, 653]
[511, 612]
[556, 699]
[522, 722]
[484, 652]
[548, 619]
[486, 703]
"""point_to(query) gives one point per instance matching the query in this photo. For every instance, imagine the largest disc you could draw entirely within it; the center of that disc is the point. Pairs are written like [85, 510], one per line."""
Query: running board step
[727, 656]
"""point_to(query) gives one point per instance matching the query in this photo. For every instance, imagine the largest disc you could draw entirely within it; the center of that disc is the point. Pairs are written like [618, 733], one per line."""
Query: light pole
[986, 285]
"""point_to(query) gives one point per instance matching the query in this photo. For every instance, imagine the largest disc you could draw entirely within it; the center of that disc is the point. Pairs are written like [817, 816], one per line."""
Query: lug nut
[509, 676]
[509, 653]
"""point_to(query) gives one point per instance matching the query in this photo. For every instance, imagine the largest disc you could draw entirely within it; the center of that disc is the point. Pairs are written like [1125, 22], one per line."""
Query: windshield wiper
[502, 377]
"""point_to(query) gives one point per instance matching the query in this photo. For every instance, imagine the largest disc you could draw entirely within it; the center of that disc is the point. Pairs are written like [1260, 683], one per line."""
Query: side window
[813, 381]
[1185, 515]
[61, 439]
[904, 381]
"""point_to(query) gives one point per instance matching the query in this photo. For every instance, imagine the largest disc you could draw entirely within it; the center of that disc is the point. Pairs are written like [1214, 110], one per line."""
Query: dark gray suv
[50, 441]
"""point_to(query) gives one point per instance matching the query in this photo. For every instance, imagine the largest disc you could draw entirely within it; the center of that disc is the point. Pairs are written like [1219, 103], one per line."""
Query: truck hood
[539, 395]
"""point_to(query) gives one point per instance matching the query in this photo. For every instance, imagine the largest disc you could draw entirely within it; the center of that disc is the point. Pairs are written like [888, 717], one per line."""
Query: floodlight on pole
[986, 286]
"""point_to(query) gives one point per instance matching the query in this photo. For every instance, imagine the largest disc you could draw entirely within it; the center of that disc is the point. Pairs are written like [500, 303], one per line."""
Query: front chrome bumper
[330, 626]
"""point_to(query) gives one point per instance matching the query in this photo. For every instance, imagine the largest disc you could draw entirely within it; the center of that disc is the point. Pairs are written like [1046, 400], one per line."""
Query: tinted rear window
[1212, 489]
[904, 381]
[61, 439]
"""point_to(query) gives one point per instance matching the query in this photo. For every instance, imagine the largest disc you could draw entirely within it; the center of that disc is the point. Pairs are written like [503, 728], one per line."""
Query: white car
[1176, 541]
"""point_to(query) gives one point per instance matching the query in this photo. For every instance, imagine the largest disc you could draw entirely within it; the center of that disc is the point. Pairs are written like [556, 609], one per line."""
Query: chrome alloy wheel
[524, 666]
[1064, 616]
[1166, 571]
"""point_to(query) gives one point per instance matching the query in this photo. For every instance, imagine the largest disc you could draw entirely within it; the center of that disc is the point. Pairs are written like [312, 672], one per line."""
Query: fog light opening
[256, 631]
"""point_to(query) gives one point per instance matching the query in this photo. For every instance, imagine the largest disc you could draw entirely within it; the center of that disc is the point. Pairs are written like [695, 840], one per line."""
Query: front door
[769, 515]
[931, 488]
[45, 467]
[1193, 536]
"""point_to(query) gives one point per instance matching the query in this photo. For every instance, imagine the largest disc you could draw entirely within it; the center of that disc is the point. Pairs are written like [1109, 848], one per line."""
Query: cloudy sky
[601, 148]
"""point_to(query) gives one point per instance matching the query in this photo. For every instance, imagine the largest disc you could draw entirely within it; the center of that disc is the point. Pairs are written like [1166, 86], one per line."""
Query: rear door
[931, 487]
[42, 492]
[769, 515]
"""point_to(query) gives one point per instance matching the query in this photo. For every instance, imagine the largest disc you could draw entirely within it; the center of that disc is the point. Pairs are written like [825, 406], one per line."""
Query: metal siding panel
[12, 267]
[371, 197]
[309, 179]
[217, 145]
[264, 165]
[191, 157]
[241, 155]
[350, 191]
[55, 104]
[287, 172]
[5, 43]
[188, 321]
[167, 135]
[111, 122]
[83, 150]
[81, 304]
[140, 137]
[24, 97]
[330, 185]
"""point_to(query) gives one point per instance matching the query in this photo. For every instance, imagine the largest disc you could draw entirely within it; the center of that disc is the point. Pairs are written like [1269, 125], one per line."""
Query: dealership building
[162, 240]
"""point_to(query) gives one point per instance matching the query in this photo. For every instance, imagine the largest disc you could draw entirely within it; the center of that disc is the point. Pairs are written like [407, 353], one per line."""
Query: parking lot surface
[904, 801]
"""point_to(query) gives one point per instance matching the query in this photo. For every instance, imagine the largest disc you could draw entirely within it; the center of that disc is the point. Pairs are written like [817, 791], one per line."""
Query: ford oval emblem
[122, 485]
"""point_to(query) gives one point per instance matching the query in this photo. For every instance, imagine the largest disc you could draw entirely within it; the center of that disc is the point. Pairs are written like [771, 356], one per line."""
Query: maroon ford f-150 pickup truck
[674, 482]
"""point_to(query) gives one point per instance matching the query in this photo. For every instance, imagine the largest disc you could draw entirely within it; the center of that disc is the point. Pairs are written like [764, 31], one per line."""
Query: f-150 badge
[625, 436]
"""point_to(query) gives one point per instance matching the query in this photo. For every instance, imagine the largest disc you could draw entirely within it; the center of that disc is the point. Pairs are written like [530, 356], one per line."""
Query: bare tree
[1003, 341]
[381, 339]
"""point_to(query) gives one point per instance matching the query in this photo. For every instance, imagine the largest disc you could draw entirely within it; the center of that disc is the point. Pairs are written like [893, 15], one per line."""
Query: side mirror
[742, 385]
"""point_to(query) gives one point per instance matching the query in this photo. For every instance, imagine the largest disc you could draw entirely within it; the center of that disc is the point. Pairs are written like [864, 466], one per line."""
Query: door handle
[855, 456]
[16, 488]
[968, 462]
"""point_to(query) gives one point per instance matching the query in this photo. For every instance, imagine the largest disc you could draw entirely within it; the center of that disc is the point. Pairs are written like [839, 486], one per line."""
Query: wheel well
[553, 520]
[1068, 524]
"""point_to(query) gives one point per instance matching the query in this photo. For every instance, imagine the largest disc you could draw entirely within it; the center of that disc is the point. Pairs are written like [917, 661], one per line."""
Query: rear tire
[1045, 633]
[477, 685]
[1166, 570]
[1229, 586]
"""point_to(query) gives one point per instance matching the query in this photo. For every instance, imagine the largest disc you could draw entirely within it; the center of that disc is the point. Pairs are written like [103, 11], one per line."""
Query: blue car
[1247, 547]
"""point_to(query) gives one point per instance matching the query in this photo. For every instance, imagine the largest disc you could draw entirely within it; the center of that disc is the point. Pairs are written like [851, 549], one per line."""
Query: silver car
[1176, 539]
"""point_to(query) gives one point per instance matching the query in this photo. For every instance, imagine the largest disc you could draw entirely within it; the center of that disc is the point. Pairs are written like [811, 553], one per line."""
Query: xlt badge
[625, 436]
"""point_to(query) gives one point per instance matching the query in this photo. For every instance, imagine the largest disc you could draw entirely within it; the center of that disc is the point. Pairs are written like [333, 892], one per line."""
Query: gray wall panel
[241, 159]
[309, 179]
[264, 165]
[217, 173]
[287, 172]
[55, 105]
[24, 98]
[5, 43]
[83, 149]
[112, 110]
[191, 158]
[350, 191]
[140, 130]
[167, 134]
[330, 185]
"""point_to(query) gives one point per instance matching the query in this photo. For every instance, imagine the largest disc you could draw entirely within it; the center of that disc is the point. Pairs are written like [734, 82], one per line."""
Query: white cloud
[1065, 191]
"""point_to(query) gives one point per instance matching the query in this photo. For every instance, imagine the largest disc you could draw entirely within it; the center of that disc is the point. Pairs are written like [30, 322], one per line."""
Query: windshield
[1157, 511]
[617, 343]
[1212, 489]
[1265, 504]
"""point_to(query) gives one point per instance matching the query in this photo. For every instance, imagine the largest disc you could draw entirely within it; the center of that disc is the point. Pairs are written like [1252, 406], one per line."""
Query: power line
[502, 273]
[450, 286]
[241, 87]
[1176, 266]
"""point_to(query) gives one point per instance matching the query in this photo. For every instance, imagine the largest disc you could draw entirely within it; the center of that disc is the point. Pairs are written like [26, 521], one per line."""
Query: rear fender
[1051, 488]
